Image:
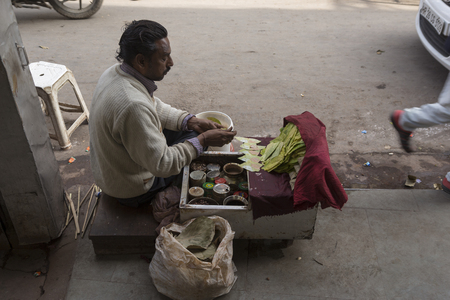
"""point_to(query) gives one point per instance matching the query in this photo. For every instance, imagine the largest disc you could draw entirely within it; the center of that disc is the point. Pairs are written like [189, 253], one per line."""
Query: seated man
[138, 143]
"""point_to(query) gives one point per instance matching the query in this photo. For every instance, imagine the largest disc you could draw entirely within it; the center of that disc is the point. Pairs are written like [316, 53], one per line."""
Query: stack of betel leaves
[282, 153]
[201, 238]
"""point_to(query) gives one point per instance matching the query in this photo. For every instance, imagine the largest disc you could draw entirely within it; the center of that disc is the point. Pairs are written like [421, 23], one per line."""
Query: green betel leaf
[282, 152]
[208, 254]
[198, 234]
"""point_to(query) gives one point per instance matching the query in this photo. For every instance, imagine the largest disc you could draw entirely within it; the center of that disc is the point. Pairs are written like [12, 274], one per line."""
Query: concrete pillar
[31, 192]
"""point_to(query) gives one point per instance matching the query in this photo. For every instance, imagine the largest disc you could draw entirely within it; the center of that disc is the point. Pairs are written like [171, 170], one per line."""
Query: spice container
[220, 180]
[235, 200]
[243, 186]
[212, 175]
[212, 167]
[220, 192]
[197, 178]
[233, 173]
[241, 194]
[195, 192]
[208, 188]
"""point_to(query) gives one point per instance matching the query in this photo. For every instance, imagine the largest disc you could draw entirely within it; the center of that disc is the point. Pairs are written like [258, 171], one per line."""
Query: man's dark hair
[139, 37]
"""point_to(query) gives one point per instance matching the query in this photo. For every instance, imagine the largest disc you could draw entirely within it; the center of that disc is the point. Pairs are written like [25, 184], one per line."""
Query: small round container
[220, 192]
[208, 188]
[241, 194]
[233, 173]
[203, 201]
[196, 192]
[212, 175]
[243, 186]
[212, 167]
[220, 180]
[197, 178]
[198, 166]
[235, 200]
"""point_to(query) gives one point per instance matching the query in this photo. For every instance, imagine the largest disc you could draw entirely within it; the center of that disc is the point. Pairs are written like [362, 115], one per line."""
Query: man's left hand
[202, 125]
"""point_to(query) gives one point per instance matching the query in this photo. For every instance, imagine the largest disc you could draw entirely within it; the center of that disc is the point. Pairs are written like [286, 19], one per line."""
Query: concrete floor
[384, 244]
[254, 60]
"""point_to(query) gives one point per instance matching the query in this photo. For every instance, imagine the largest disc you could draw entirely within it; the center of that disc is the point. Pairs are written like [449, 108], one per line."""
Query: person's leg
[446, 183]
[406, 121]
[429, 114]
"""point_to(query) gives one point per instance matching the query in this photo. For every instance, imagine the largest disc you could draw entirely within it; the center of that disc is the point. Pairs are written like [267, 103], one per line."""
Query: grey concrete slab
[100, 290]
[30, 286]
[339, 261]
[371, 251]
[27, 260]
[412, 251]
[432, 201]
[382, 199]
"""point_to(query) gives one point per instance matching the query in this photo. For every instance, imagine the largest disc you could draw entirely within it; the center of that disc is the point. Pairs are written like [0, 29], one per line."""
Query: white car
[433, 27]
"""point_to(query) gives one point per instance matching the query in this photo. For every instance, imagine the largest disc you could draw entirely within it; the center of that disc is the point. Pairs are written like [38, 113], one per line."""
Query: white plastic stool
[49, 78]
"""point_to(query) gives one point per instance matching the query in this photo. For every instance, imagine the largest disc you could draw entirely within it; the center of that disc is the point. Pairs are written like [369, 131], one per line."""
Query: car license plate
[433, 18]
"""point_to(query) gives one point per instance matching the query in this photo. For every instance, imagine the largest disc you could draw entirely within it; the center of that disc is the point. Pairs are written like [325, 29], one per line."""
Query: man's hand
[202, 125]
[216, 137]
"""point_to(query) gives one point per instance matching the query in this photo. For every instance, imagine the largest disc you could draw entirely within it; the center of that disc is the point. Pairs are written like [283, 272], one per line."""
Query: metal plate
[434, 19]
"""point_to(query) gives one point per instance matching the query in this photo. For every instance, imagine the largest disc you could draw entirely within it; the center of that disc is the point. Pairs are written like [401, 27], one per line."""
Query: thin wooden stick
[78, 213]
[92, 212]
[68, 207]
[74, 213]
[67, 218]
[87, 213]
[78, 208]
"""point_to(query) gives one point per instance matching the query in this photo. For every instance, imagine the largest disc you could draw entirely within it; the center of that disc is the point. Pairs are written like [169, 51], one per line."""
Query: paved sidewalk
[384, 244]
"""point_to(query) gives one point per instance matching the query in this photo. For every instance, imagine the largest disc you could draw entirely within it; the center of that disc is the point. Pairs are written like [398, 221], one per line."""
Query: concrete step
[118, 229]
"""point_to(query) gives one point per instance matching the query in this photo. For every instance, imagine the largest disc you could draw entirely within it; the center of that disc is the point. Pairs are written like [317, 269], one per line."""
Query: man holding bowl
[138, 143]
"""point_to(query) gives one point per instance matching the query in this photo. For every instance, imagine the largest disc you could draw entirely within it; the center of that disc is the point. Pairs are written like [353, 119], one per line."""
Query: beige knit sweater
[127, 145]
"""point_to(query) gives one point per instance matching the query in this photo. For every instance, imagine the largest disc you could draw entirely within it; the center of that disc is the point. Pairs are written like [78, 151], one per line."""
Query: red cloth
[316, 181]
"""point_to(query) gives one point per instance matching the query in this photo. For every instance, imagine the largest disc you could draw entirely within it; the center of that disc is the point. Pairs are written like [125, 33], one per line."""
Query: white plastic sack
[179, 274]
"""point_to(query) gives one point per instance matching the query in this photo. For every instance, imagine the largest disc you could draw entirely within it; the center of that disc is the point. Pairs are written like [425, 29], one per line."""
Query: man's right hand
[216, 137]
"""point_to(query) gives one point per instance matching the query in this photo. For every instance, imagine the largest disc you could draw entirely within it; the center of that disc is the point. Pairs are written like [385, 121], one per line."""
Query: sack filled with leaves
[194, 262]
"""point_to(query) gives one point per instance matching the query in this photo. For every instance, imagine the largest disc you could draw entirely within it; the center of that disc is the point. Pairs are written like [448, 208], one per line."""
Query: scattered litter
[88, 149]
[37, 274]
[43, 47]
[418, 180]
[367, 164]
[299, 258]
[437, 186]
[72, 159]
[267, 278]
[317, 261]
[387, 147]
[302, 95]
[364, 131]
[410, 181]
[391, 153]
[379, 52]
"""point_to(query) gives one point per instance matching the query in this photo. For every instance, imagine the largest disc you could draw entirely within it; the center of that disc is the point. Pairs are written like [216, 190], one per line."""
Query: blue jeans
[159, 183]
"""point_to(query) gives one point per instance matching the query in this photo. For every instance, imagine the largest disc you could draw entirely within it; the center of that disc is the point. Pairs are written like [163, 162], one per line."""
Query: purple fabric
[316, 182]
[196, 143]
[270, 193]
[149, 84]
[184, 125]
